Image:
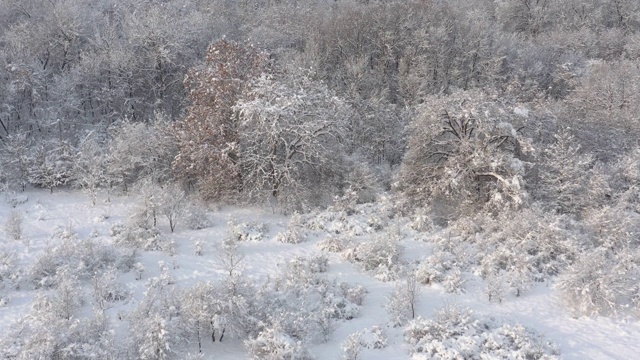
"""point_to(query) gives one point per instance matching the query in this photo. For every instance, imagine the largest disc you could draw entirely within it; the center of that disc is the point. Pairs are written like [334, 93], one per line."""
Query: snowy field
[190, 256]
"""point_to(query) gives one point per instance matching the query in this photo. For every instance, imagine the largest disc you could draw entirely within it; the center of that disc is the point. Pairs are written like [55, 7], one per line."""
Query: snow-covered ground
[540, 308]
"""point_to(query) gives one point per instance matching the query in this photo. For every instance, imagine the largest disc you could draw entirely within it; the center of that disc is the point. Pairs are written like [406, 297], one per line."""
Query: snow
[613, 337]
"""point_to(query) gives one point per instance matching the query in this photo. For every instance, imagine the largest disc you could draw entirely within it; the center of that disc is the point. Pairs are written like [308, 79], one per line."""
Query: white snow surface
[541, 309]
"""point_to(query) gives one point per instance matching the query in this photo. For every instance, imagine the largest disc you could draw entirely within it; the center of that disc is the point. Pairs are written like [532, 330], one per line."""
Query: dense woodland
[511, 124]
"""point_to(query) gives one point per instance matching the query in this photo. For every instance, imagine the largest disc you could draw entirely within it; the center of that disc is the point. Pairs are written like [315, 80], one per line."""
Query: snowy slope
[540, 309]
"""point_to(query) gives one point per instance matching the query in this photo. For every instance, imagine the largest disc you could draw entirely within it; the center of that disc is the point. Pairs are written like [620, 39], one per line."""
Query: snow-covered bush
[198, 310]
[199, 247]
[51, 165]
[402, 303]
[156, 342]
[15, 160]
[355, 294]
[14, 199]
[83, 257]
[246, 231]
[603, 278]
[363, 183]
[602, 281]
[173, 204]
[273, 344]
[457, 333]
[68, 296]
[13, 225]
[135, 236]
[107, 290]
[331, 243]
[352, 348]
[290, 236]
[154, 324]
[303, 303]
[140, 150]
[564, 175]
[496, 287]
[8, 265]
[374, 338]
[454, 282]
[229, 256]
[41, 334]
[526, 246]
[196, 217]
[10, 274]
[422, 221]
[449, 258]
[139, 269]
[382, 255]
[300, 269]
[295, 233]
[89, 166]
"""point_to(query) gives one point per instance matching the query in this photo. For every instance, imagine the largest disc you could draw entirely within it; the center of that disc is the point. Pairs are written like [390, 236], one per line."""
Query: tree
[208, 136]
[198, 306]
[403, 300]
[89, 167]
[290, 133]
[530, 17]
[51, 165]
[604, 108]
[155, 343]
[173, 203]
[468, 148]
[565, 173]
[15, 160]
[13, 226]
[140, 150]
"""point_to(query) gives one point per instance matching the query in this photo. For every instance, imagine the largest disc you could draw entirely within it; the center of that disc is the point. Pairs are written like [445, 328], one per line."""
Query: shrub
[13, 226]
[602, 281]
[382, 256]
[273, 344]
[331, 243]
[84, 258]
[458, 333]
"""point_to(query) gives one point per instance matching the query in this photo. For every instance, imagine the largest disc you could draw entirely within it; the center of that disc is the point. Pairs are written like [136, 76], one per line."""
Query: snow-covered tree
[565, 173]
[13, 226]
[139, 150]
[198, 311]
[89, 167]
[604, 107]
[107, 290]
[14, 158]
[602, 282]
[155, 343]
[173, 203]
[402, 303]
[208, 136]
[40, 334]
[467, 148]
[51, 165]
[290, 133]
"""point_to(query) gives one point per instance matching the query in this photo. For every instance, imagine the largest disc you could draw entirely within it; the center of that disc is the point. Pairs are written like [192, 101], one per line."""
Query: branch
[494, 175]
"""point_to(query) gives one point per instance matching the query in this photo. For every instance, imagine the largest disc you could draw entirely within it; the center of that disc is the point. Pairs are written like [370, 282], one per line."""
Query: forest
[319, 179]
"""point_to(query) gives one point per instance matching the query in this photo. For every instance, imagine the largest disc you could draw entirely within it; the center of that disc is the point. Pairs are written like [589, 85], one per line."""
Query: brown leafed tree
[208, 136]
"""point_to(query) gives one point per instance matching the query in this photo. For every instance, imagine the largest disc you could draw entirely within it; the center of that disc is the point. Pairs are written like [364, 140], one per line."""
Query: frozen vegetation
[316, 179]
